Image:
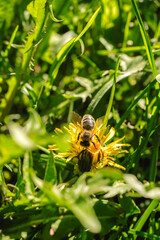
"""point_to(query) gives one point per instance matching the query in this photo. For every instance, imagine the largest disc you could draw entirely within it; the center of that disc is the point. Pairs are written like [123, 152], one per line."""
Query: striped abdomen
[88, 122]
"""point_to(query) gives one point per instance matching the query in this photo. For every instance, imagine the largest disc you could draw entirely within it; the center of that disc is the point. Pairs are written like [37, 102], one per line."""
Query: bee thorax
[86, 136]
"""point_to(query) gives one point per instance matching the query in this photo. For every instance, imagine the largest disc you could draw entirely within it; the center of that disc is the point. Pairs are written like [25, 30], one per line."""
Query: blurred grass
[59, 56]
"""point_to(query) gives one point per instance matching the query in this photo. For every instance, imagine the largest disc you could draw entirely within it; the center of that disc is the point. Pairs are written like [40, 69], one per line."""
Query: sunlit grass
[88, 57]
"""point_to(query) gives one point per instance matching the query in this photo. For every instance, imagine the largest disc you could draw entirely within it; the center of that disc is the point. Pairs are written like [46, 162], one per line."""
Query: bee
[87, 123]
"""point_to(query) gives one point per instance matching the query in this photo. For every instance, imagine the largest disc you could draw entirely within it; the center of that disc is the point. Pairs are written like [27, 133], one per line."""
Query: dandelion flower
[98, 154]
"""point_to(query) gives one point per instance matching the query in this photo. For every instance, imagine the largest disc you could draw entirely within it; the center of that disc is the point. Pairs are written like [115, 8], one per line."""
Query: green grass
[96, 57]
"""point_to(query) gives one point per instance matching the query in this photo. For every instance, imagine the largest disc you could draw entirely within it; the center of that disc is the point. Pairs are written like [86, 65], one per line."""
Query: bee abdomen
[88, 122]
[84, 161]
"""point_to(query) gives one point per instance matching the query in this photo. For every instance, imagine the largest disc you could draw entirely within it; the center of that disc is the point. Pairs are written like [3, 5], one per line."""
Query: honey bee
[87, 123]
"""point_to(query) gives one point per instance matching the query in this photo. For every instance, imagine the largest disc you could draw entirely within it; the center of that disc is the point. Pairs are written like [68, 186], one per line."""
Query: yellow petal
[109, 135]
[57, 130]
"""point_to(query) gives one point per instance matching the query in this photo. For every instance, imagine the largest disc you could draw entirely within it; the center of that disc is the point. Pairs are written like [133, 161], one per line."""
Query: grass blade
[145, 40]
[131, 49]
[135, 156]
[126, 30]
[104, 89]
[154, 71]
[133, 104]
[10, 42]
[27, 176]
[88, 24]
[50, 174]
[145, 216]
[144, 235]
[112, 94]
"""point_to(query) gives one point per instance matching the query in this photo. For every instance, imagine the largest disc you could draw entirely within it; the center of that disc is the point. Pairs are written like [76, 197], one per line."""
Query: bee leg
[94, 144]
[99, 156]
[78, 137]
[97, 138]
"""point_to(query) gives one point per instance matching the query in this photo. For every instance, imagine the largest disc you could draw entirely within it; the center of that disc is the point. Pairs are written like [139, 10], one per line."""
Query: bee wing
[103, 129]
[75, 117]
[100, 120]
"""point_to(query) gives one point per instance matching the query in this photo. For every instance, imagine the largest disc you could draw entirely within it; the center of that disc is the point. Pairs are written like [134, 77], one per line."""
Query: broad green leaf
[83, 210]
[61, 140]
[62, 227]
[74, 96]
[80, 205]
[133, 182]
[34, 124]
[117, 188]
[38, 11]
[32, 134]
[20, 137]
[107, 215]
[128, 205]
[110, 173]
[15, 150]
